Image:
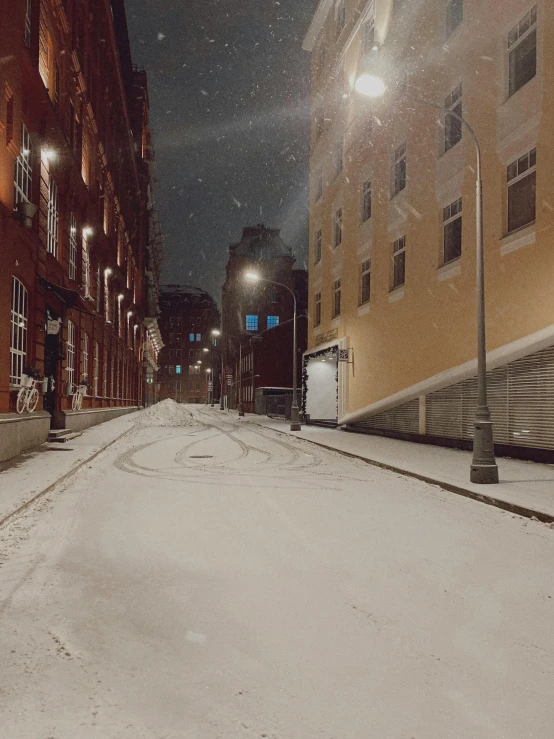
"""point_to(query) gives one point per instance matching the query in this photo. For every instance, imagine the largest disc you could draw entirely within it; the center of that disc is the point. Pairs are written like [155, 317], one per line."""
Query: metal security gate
[521, 400]
[402, 418]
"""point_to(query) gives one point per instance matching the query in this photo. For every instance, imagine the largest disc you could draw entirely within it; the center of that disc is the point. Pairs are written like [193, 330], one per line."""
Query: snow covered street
[207, 578]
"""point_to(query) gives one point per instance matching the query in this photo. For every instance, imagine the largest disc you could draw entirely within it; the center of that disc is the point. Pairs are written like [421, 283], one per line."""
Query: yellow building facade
[393, 327]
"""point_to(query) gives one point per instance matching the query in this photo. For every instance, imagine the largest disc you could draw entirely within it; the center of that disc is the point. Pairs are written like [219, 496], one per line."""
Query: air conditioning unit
[24, 213]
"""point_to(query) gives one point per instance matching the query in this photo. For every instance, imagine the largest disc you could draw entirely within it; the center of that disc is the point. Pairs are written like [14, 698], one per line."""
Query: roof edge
[318, 21]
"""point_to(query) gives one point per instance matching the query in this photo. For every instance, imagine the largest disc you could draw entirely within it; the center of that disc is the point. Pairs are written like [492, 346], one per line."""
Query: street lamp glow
[205, 350]
[120, 297]
[252, 276]
[370, 85]
[216, 332]
[199, 361]
[108, 271]
[87, 231]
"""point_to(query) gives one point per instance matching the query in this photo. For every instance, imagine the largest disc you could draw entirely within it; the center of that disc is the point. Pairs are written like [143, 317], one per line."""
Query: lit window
[399, 173]
[399, 263]
[452, 124]
[336, 298]
[198, 337]
[178, 369]
[272, 321]
[23, 175]
[522, 50]
[366, 201]
[18, 333]
[191, 337]
[251, 323]
[365, 281]
[522, 184]
[452, 219]
[454, 15]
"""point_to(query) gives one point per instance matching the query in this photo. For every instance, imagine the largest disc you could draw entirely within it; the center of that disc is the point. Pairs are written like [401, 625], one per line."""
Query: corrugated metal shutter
[403, 418]
[521, 400]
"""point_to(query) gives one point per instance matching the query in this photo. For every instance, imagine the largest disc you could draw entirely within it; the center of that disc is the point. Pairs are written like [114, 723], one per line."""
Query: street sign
[210, 386]
[229, 379]
[52, 327]
[343, 355]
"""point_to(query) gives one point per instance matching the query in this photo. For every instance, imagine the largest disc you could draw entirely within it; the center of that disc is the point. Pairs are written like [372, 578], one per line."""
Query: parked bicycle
[79, 394]
[27, 396]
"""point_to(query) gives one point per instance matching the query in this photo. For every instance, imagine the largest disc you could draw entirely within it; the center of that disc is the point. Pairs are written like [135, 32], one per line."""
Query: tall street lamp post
[214, 333]
[484, 469]
[295, 410]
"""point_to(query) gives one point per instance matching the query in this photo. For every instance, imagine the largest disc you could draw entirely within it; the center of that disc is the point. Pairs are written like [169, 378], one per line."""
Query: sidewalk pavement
[526, 488]
[31, 475]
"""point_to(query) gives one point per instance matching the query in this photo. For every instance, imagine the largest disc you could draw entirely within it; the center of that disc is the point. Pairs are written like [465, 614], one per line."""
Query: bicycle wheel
[21, 400]
[32, 400]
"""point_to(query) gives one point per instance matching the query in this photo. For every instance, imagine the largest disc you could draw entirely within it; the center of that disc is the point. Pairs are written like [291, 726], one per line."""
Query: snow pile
[167, 413]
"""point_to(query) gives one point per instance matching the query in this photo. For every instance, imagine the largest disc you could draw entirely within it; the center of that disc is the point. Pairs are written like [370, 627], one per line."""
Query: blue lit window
[178, 369]
[272, 321]
[191, 337]
[198, 337]
[251, 323]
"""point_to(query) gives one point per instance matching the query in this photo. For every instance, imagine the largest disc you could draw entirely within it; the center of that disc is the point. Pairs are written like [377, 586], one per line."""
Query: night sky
[229, 103]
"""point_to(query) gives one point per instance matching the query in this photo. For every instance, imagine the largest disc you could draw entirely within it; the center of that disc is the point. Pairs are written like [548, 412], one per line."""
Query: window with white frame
[338, 227]
[336, 298]
[23, 174]
[53, 217]
[452, 231]
[98, 288]
[251, 322]
[317, 310]
[112, 373]
[95, 368]
[85, 362]
[365, 281]
[454, 15]
[399, 170]
[272, 321]
[72, 247]
[105, 373]
[107, 302]
[86, 265]
[18, 331]
[339, 156]
[70, 361]
[522, 184]
[522, 51]
[399, 263]
[28, 11]
[44, 52]
[453, 124]
[318, 246]
[319, 184]
[366, 201]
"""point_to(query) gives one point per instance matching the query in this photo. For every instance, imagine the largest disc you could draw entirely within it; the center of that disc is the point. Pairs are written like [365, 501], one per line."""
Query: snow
[222, 580]
[166, 413]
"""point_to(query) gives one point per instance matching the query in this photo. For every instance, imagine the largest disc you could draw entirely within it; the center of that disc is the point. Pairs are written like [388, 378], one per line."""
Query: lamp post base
[295, 424]
[241, 409]
[484, 470]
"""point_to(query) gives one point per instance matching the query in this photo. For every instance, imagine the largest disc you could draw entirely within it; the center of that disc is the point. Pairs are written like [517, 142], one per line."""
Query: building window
[341, 17]
[95, 369]
[319, 184]
[454, 15]
[251, 323]
[452, 219]
[98, 288]
[198, 337]
[399, 173]
[85, 355]
[86, 266]
[105, 373]
[338, 227]
[272, 321]
[70, 366]
[72, 247]
[43, 52]
[191, 337]
[366, 201]
[318, 242]
[178, 369]
[365, 281]
[336, 298]
[317, 312]
[171, 354]
[9, 116]
[171, 338]
[171, 369]
[53, 217]
[522, 51]
[28, 23]
[23, 179]
[191, 353]
[522, 183]
[452, 124]
[18, 331]
[85, 160]
[399, 263]
[339, 157]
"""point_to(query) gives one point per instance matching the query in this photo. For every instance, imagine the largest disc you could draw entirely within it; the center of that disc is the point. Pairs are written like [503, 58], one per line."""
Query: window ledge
[364, 309]
[518, 239]
[335, 322]
[396, 294]
[449, 270]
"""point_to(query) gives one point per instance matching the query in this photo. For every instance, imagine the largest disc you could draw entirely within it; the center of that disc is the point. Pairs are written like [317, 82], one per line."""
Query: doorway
[52, 356]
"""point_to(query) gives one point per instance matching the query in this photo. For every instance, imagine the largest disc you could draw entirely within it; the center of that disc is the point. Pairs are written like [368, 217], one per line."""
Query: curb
[63, 478]
[479, 497]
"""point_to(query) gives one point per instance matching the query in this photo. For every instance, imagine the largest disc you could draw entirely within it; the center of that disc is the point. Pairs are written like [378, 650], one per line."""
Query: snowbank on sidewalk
[166, 413]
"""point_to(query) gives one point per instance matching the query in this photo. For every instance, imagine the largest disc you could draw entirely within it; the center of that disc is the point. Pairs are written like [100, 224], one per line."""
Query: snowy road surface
[222, 581]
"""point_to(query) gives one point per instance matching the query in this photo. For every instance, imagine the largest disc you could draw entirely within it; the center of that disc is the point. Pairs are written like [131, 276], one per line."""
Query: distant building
[191, 353]
[249, 310]
[80, 249]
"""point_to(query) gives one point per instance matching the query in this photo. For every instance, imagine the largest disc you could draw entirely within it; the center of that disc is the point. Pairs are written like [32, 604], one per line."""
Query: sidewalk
[25, 478]
[526, 488]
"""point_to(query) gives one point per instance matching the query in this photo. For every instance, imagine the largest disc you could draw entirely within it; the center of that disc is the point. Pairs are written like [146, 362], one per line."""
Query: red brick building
[80, 244]
[191, 354]
[258, 317]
